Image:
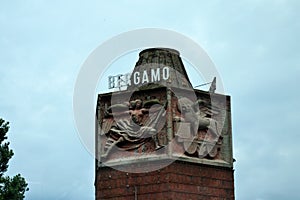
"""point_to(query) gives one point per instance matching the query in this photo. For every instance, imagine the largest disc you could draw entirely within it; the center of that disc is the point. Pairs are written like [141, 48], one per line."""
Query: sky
[254, 45]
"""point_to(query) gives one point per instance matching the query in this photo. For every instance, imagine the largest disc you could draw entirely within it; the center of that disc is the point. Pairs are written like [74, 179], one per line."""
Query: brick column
[180, 180]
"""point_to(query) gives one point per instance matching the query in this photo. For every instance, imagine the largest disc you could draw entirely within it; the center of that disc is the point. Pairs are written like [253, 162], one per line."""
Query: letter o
[166, 73]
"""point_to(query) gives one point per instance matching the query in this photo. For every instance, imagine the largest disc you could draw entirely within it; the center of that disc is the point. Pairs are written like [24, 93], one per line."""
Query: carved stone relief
[196, 128]
[140, 125]
[133, 124]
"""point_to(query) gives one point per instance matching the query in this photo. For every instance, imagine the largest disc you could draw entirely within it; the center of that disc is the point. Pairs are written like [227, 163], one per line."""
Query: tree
[10, 188]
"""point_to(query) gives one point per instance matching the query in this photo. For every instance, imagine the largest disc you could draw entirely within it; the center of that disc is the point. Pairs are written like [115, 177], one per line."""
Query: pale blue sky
[254, 45]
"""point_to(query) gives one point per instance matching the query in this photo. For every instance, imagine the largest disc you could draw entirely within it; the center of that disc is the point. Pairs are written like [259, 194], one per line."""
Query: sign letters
[139, 77]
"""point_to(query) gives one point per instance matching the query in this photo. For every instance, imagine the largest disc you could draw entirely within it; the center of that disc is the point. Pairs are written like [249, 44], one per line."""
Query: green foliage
[10, 188]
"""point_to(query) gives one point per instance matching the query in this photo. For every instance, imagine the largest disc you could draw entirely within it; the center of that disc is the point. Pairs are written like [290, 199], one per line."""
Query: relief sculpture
[130, 125]
[197, 129]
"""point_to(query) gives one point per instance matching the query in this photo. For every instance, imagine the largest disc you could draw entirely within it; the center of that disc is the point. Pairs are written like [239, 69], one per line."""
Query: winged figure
[200, 116]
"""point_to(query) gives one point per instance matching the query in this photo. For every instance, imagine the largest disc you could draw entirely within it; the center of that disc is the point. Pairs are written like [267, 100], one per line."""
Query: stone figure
[198, 118]
[139, 123]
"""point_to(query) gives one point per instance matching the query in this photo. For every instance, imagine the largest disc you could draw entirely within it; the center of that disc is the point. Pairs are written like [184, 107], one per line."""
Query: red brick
[177, 181]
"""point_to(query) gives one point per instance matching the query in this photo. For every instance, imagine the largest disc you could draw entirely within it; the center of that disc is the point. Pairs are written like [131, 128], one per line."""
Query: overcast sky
[254, 45]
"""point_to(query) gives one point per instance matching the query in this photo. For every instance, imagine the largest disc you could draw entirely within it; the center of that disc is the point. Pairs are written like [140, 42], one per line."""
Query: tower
[162, 139]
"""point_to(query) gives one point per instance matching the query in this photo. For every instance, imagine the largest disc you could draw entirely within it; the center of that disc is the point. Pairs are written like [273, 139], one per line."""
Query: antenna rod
[202, 84]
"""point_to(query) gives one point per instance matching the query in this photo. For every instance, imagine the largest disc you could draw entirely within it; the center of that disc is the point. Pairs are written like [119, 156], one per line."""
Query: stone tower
[162, 139]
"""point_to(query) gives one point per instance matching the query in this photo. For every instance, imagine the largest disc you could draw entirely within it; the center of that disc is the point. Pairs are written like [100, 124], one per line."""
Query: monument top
[161, 117]
[159, 66]
[168, 50]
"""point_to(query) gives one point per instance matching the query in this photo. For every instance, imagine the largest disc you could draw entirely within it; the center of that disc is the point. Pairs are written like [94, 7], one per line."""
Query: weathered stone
[159, 118]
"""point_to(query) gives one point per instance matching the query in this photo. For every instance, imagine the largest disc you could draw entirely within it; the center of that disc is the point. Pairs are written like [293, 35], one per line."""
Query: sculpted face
[136, 112]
